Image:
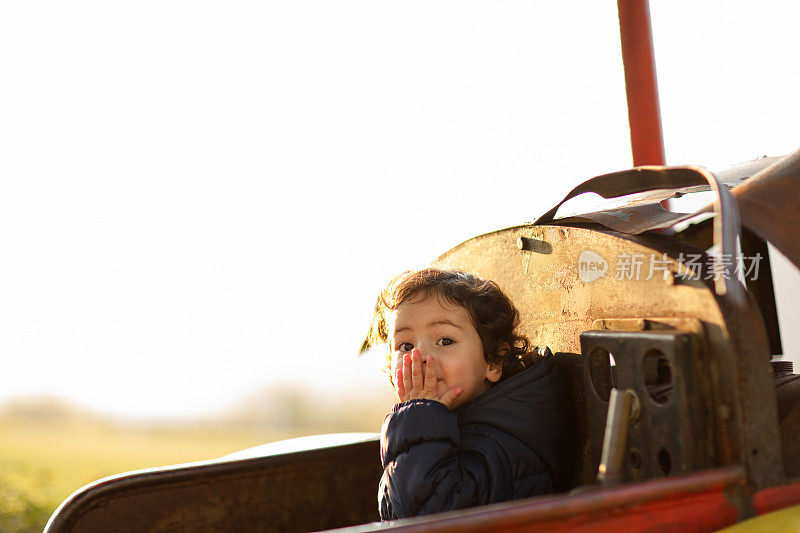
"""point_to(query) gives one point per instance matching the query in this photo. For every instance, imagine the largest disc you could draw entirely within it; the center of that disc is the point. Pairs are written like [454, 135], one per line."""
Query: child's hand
[413, 383]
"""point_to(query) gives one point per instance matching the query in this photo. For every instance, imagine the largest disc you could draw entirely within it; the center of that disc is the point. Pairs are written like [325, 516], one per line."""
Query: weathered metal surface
[761, 287]
[745, 376]
[302, 491]
[636, 220]
[633, 219]
[775, 188]
[737, 174]
[634, 196]
[690, 325]
[787, 389]
[649, 183]
[706, 501]
[700, 235]
[742, 376]
[641, 87]
[666, 370]
[768, 204]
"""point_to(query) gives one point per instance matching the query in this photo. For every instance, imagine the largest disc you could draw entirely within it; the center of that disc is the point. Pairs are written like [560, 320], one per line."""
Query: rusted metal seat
[296, 485]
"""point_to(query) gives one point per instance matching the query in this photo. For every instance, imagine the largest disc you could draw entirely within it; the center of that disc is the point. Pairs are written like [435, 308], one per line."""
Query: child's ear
[495, 370]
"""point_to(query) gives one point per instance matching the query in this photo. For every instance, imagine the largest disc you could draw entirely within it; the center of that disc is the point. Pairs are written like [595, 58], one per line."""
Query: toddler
[479, 419]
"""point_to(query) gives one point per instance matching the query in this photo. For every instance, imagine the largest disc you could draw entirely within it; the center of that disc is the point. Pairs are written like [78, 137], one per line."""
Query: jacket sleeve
[424, 469]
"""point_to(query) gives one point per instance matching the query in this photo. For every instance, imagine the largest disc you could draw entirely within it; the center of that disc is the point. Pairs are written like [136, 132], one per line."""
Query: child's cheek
[396, 362]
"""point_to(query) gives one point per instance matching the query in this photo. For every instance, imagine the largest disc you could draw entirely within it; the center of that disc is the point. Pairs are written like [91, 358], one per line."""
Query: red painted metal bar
[705, 501]
[775, 498]
[641, 87]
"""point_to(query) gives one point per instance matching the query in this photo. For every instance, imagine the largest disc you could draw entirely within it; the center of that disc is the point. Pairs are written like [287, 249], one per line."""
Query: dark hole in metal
[657, 375]
[635, 458]
[664, 461]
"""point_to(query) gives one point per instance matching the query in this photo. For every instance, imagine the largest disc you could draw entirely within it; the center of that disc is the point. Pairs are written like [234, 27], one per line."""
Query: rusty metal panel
[302, 491]
[745, 400]
[672, 433]
[787, 389]
[647, 217]
[762, 288]
[774, 190]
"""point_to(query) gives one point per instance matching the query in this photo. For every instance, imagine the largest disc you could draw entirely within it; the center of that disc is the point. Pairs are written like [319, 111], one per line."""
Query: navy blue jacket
[510, 442]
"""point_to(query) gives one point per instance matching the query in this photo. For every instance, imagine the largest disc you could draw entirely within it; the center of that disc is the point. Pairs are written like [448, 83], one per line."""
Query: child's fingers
[398, 378]
[450, 396]
[416, 372]
[430, 374]
[407, 387]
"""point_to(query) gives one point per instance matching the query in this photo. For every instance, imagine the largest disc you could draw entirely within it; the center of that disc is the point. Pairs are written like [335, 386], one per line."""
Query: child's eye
[405, 346]
[445, 341]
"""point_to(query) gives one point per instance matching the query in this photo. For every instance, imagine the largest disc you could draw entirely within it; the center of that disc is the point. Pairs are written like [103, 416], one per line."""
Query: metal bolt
[531, 244]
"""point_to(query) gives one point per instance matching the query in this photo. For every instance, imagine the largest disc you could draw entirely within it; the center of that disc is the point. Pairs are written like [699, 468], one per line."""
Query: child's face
[445, 331]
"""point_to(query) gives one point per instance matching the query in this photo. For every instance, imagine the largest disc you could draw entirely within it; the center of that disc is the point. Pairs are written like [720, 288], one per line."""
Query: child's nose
[424, 356]
[423, 352]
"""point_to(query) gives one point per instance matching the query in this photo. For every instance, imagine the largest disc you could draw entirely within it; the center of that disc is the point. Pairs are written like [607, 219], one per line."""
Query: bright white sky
[201, 198]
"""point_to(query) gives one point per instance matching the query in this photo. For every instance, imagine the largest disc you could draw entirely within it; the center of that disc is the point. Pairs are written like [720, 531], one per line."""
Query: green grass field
[49, 449]
[41, 464]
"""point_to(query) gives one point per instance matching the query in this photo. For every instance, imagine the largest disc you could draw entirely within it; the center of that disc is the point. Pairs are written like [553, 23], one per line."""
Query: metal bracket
[664, 369]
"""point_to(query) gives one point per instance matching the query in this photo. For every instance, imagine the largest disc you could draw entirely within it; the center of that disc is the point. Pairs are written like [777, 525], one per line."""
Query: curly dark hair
[492, 314]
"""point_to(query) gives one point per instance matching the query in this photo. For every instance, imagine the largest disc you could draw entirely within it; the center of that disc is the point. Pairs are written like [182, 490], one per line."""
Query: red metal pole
[641, 87]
